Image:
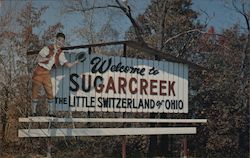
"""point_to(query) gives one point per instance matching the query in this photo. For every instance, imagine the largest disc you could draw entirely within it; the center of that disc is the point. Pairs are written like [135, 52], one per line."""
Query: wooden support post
[185, 154]
[124, 143]
[124, 137]
[49, 146]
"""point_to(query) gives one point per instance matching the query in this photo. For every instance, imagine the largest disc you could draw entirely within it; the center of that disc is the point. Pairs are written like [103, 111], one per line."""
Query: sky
[220, 17]
[220, 12]
[120, 23]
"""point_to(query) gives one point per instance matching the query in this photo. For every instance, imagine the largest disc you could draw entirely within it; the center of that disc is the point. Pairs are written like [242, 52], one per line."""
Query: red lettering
[122, 83]
[110, 85]
[143, 86]
[152, 87]
[163, 87]
[171, 88]
[130, 85]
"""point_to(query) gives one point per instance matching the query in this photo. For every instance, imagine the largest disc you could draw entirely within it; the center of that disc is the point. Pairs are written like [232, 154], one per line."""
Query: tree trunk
[3, 124]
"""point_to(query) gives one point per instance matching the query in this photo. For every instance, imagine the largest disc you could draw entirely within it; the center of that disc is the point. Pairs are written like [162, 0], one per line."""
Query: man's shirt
[45, 52]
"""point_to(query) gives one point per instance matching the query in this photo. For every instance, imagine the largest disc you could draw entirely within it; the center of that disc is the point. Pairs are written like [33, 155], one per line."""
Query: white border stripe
[54, 119]
[103, 131]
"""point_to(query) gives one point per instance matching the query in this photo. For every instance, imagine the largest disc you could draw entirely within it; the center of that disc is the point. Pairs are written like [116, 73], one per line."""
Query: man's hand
[76, 62]
[69, 65]
[80, 57]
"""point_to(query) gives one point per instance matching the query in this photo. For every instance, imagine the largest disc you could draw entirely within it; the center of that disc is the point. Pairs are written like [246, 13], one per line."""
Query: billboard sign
[121, 84]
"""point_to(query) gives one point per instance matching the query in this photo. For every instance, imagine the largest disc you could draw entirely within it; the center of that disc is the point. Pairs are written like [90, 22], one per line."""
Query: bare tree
[6, 67]
[245, 53]
[87, 7]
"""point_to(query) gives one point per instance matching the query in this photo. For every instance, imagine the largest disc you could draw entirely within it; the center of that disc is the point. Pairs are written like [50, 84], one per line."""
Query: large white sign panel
[119, 84]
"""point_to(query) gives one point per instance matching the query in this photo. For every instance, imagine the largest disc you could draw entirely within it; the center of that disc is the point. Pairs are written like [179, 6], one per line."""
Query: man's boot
[51, 108]
[34, 104]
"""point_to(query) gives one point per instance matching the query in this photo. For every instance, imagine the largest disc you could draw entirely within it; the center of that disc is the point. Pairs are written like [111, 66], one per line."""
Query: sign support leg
[185, 155]
[49, 146]
[124, 142]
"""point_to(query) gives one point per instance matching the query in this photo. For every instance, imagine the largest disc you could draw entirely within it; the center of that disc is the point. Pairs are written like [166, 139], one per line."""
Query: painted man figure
[50, 56]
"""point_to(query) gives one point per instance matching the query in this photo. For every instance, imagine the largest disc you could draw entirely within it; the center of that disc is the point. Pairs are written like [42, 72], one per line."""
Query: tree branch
[189, 31]
[124, 7]
[243, 13]
[73, 9]
[138, 30]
